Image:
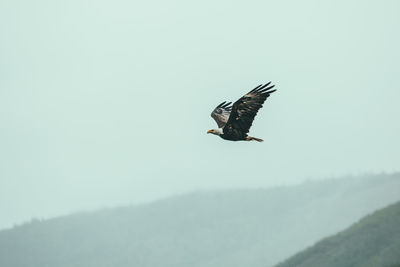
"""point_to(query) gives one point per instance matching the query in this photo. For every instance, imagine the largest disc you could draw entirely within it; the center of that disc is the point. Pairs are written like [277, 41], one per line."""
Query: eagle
[234, 121]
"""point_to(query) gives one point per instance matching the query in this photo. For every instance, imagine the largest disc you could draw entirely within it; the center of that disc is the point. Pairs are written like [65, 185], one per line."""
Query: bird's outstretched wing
[245, 109]
[221, 113]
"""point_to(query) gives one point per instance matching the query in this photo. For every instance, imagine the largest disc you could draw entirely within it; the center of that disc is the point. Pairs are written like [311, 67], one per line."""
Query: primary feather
[221, 113]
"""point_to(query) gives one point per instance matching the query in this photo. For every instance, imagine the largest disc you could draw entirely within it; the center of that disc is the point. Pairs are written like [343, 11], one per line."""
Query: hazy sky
[108, 102]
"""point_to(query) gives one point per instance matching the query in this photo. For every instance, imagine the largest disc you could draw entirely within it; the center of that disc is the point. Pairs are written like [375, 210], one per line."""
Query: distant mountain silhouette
[373, 242]
[254, 227]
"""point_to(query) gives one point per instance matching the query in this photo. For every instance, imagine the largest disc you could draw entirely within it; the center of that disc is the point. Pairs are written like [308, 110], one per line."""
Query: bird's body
[234, 121]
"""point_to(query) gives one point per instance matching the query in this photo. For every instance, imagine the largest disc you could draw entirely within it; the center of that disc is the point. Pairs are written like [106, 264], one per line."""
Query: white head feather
[216, 131]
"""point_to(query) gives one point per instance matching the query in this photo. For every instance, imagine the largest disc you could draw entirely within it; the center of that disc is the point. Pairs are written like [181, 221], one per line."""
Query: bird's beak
[209, 131]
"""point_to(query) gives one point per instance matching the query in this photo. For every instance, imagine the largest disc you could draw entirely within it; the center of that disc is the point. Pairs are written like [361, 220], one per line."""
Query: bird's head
[215, 131]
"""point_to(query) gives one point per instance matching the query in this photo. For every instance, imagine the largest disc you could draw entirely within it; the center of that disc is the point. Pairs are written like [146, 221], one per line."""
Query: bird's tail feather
[250, 138]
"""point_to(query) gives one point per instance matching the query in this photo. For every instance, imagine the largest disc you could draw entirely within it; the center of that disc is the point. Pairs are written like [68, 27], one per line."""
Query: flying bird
[234, 121]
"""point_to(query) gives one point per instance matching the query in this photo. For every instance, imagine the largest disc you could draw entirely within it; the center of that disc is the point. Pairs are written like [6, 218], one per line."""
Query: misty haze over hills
[255, 227]
[372, 242]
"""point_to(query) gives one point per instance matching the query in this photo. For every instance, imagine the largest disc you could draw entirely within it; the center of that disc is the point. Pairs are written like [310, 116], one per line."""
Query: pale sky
[105, 103]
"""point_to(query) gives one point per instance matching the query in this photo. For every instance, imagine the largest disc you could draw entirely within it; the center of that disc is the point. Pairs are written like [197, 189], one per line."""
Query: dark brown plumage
[236, 120]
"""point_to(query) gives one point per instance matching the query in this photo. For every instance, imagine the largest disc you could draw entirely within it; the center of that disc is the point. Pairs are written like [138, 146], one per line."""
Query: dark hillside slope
[373, 242]
[232, 228]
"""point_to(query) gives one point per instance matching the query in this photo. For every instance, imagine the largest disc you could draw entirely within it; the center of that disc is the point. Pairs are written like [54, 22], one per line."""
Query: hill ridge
[372, 241]
[233, 228]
